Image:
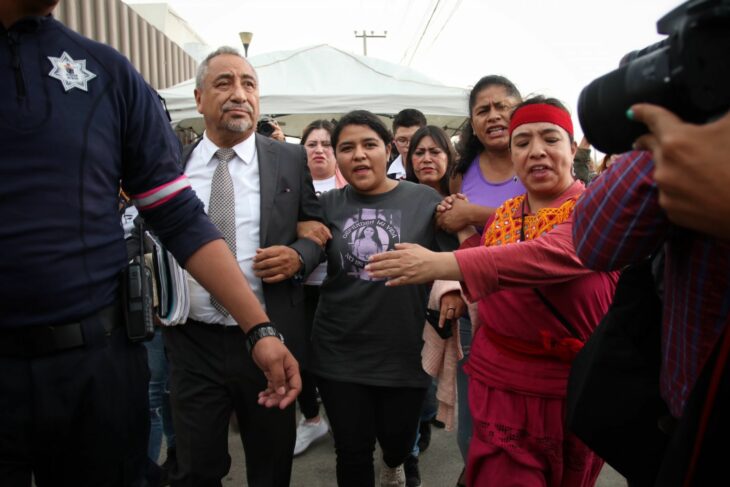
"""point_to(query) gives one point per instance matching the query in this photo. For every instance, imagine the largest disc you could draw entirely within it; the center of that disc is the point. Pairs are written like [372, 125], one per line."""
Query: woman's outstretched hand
[413, 264]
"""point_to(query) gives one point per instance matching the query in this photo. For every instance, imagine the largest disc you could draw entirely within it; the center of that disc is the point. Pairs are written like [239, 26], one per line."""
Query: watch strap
[260, 331]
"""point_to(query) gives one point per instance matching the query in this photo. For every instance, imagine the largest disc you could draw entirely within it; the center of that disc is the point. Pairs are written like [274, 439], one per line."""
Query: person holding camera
[691, 168]
[269, 127]
[672, 196]
[537, 304]
[77, 120]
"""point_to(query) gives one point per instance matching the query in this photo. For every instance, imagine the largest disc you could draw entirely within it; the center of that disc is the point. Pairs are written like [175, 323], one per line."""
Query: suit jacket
[287, 197]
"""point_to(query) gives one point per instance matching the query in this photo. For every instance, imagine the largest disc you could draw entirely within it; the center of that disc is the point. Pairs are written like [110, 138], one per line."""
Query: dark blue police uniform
[76, 119]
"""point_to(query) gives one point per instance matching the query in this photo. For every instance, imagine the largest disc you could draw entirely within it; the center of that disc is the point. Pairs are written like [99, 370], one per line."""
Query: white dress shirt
[244, 170]
[396, 168]
[322, 185]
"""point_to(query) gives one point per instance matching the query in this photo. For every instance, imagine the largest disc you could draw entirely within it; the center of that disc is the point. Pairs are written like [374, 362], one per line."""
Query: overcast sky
[552, 47]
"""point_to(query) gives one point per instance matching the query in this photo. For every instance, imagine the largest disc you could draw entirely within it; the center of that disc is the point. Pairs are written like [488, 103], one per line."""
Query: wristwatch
[260, 331]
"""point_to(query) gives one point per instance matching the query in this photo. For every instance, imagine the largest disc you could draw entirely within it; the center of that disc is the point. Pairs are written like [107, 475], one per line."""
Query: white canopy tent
[322, 81]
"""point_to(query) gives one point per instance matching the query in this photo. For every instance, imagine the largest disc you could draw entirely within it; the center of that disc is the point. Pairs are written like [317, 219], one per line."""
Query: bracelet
[262, 330]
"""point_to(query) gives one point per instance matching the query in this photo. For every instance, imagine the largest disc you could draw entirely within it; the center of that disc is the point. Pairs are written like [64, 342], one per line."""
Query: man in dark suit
[256, 190]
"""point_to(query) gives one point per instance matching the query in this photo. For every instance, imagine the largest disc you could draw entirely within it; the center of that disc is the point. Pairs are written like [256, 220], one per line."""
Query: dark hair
[442, 140]
[317, 124]
[533, 100]
[408, 118]
[362, 117]
[469, 145]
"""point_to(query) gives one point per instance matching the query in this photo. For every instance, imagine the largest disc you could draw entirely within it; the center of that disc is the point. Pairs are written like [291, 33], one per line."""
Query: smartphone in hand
[432, 316]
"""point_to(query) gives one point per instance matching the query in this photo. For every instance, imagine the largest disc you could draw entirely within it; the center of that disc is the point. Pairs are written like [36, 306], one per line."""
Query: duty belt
[36, 341]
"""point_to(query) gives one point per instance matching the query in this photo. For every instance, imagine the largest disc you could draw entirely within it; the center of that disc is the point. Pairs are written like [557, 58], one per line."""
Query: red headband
[541, 112]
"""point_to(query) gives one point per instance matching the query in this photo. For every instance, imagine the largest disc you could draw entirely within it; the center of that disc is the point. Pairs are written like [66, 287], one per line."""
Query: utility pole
[365, 37]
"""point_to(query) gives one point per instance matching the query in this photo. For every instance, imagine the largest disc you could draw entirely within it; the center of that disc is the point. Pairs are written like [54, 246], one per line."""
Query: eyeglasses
[402, 141]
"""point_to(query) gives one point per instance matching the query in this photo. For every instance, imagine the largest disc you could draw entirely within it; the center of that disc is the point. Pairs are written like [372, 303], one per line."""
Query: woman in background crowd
[484, 172]
[485, 175]
[430, 161]
[316, 139]
[537, 305]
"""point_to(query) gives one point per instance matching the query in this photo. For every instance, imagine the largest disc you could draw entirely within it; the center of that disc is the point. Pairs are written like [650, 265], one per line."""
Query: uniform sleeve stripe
[159, 202]
[155, 196]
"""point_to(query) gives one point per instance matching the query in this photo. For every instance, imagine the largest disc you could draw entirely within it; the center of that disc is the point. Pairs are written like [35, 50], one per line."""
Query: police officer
[75, 120]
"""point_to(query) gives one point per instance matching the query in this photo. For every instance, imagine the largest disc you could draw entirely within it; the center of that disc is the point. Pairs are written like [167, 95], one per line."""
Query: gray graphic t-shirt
[365, 332]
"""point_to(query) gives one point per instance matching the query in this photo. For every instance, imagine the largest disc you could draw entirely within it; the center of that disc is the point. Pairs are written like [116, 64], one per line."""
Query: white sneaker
[308, 433]
[392, 477]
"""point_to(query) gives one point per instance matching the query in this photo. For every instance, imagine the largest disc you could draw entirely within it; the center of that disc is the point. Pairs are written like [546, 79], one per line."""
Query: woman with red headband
[537, 305]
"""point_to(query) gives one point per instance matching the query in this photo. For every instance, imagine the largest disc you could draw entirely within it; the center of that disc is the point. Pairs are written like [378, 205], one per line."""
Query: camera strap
[562, 319]
[550, 306]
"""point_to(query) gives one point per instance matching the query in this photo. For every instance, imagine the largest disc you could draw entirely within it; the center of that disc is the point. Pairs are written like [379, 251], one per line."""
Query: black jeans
[79, 417]
[308, 397]
[359, 414]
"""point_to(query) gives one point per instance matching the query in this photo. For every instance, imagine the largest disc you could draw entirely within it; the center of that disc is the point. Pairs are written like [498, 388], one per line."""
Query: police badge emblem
[71, 74]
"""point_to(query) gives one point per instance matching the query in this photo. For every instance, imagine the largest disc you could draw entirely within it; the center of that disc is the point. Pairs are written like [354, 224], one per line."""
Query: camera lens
[265, 127]
[602, 114]
[687, 73]
[603, 103]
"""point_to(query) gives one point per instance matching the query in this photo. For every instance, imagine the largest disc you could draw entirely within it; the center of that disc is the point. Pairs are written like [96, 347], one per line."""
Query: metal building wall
[162, 62]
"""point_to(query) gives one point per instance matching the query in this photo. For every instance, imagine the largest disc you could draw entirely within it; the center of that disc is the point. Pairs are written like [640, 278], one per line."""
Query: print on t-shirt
[367, 232]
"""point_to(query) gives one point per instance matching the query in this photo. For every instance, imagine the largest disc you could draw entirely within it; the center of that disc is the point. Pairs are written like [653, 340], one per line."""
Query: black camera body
[687, 73]
[265, 127]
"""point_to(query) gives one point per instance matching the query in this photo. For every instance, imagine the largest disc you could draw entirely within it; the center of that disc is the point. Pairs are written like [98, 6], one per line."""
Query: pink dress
[520, 357]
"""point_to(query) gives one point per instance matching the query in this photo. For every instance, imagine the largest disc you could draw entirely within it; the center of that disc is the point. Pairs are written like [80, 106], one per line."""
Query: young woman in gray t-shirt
[366, 339]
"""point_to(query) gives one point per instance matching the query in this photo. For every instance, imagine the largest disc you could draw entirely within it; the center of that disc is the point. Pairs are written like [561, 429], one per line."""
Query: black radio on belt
[138, 296]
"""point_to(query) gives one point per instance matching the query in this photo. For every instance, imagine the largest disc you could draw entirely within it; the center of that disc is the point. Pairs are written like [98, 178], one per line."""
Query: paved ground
[440, 465]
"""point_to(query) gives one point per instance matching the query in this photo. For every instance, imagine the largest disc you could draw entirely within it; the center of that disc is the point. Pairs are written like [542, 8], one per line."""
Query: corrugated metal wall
[162, 62]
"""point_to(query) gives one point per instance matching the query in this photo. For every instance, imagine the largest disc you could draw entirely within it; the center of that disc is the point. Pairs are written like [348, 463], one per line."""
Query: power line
[418, 44]
[453, 11]
[412, 43]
